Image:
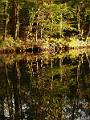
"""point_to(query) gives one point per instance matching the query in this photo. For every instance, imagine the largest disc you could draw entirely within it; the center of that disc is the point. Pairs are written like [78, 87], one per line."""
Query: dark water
[45, 86]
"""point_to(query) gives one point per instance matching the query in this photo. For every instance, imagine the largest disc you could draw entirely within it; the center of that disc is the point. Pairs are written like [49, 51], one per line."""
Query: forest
[44, 24]
[44, 59]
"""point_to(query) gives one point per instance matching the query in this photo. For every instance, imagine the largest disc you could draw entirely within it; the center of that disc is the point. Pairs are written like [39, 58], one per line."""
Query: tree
[14, 18]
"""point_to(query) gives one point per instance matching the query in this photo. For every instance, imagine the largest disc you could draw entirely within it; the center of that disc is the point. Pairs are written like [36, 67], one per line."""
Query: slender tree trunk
[51, 22]
[80, 29]
[10, 105]
[1, 108]
[32, 18]
[51, 74]
[5, 19]
[61, 26]
[9, 94]
[79, 20]
[36, 34]
[61, 109]
[15, 19]
[61, 72]
[37, 65]
[42, 25]
[32, 69]
[37, 26]
[41, 31]
[16, 89]
[87, 37]
[41, 63]
[73, 110]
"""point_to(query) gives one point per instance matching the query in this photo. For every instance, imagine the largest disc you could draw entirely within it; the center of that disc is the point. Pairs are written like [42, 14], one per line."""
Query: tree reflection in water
[54, 87]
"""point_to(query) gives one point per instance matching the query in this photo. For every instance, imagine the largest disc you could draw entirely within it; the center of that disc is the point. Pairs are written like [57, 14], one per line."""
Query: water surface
[45, 86]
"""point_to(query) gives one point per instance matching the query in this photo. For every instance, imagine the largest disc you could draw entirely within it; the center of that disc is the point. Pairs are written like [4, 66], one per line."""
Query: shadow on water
[45, 86]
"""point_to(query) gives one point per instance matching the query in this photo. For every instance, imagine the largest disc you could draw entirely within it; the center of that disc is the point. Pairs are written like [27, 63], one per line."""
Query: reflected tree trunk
[41, 63]
[9, 94]
[10, 105]
[88, 59]
[61, 69]
[87, 37]
[52, 67]
[21, 111]
[37, 65]
[16, 90]
[51, 74]
[61, 109]
[73, 110]
[78, 72]
[19, 89]
[31, 69]
[1, 108]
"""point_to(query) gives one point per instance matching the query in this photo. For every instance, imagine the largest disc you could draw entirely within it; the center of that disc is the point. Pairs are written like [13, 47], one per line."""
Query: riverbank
[50, 44]
[36, 49]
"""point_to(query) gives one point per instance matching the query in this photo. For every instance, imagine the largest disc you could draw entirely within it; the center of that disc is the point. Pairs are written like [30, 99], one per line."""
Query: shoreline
[6, 50]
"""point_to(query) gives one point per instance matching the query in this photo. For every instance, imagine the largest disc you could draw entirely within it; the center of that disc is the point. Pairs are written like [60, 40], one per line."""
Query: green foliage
[41, 19]
[10, 42]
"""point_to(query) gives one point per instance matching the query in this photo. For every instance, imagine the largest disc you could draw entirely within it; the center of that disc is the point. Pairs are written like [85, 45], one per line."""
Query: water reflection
[45, 86]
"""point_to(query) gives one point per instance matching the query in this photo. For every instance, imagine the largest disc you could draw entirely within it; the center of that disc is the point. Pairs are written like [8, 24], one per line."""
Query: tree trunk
[15, 19]
[16, 89]
[41, 31]
[61, 26]
[61, 72]
[5, 19]
[9, 94]
[79, 20]
[1, 108]
[52, 74]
